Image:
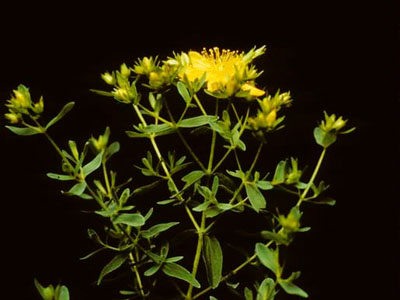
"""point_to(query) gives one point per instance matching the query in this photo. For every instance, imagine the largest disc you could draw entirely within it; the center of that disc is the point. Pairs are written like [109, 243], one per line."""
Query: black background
[332, 57]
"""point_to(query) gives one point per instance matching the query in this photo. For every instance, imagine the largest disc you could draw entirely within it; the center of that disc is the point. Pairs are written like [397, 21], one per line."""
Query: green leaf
[266, 289]
[60, 177]
[23, 130]
[152, 270]
[213, 298]
[267, 257]
[77, 189]
[156, 229]
[134, 220]
[264, 185]
[280, 172]
[177, 271]
[276, 237]
[237, 173]
[92, 253]
[324, 138]
[47, 293]
[213, 259]
[183, 91]
[112, 149]
[174, 259]
[292, 289]
[93, 165]
[67, 107]
[148, 187]
[197, 121]
[62, 293]
[102, 93]
[192, 177]
[114, 264]
[248, 294]
[256, 198]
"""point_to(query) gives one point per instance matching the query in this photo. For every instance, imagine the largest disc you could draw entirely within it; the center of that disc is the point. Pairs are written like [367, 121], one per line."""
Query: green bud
[38, 107]
[13, 117]
[109, 78]
[125, 71]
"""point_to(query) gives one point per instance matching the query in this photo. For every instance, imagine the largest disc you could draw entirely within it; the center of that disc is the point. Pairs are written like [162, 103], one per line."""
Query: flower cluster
[266, 117]
[21, 104]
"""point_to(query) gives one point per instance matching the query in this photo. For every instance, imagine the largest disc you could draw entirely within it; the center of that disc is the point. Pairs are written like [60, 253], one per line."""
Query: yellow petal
[253, 91]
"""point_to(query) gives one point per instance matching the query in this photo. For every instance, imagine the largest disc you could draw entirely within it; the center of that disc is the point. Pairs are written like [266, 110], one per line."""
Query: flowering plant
[192, 192]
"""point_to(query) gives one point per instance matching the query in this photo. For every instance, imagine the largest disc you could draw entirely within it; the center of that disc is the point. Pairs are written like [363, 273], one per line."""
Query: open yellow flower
[226, 72]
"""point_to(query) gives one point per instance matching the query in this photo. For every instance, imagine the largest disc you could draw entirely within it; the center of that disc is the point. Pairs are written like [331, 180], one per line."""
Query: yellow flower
[226, 71]
[12, 117]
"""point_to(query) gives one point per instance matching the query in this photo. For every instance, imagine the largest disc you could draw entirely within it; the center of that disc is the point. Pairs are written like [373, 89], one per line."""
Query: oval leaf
[267, 257]
[213, 259]
[197, 121]
[292, 289]
[60, 176]
[67, 107]
[177, 271]
[23, 130]
[256, 198]
[114, 264]
[183, 92]
[156, 229]
[93, 165]
[134, 220]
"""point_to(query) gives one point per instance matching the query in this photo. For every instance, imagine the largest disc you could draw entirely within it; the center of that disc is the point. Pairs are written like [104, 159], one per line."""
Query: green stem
[154, 115]
[231, 273]
[139, 280]
[236, 113]
[199, 104]
[199, 248]
[213, 139]
[185, 143]
[248, 173]
[164, 166]
[221, 160]
[108, 187]
[317, 167]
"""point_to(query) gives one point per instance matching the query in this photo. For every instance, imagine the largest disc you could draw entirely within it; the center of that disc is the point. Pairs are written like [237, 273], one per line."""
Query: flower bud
[125, 71]
[38, 107]
[12, 117]
[109, 78]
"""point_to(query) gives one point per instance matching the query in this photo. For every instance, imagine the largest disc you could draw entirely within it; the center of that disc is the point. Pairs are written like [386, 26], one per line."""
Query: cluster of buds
[100, 144]
[160, 76]
[21, 104]
[266, 117]
[124, 91]
[325, 134]
[290, 224]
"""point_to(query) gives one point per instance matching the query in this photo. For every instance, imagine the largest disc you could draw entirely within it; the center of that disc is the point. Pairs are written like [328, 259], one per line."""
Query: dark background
[332, 57]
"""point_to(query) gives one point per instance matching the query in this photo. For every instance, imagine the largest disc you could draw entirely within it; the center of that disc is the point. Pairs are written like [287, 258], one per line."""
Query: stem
[139, 280]
[222, 160]
[317, 167]
[155, 116]
[213, 139]
[165, 168]
[248, 173]
[109, 194]
[196, 260]
[185, 143]
[199, 104]
[231, 273]
[236, 113]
